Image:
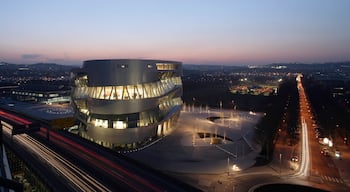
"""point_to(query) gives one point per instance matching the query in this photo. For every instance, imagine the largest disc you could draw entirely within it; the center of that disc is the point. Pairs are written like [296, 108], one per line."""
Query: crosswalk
[332, 179]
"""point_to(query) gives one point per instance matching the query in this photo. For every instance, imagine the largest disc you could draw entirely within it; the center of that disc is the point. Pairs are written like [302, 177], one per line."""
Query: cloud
[30, 56]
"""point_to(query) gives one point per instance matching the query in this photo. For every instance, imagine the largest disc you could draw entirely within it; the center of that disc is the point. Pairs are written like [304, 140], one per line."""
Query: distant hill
[278, 67]
[196, 68]
[211, 67]
[312, 66]
[36, 67]
[329, 65]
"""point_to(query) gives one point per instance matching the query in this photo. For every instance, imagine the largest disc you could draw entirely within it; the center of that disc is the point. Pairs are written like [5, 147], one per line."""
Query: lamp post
[233, 106]
[193, 136]
[228, 165]
[221, 115]
[194, 101]
[280, 163]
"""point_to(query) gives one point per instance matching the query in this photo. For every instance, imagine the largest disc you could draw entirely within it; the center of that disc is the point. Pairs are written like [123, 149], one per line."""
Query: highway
[13, 117]
[112, 166]
[89, 167]
[75, 177]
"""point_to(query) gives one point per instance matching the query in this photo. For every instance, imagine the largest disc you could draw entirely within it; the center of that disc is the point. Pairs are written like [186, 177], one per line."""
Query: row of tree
[330, 107]
[283, 108]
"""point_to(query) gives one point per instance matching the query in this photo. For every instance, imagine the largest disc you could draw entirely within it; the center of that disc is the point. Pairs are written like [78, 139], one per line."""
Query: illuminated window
[139, 89]
[107, 92]
[101, 123]
[119, 92]
[129, 92]
[113, 94]
[165, 66]
[125, 93]
[119, 125]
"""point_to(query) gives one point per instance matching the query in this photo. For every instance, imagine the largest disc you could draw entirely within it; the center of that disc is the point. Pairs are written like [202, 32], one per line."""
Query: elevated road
[86, 166]
[76, 177]
[112, 167]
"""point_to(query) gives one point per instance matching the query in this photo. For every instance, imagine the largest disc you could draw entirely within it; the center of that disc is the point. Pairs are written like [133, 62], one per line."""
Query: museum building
[126, 103]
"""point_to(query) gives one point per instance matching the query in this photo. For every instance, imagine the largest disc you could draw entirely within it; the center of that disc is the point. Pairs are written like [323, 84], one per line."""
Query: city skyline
[194, 32]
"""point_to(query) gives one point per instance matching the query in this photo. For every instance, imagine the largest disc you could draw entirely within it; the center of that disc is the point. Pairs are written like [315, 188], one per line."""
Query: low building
[42, 93]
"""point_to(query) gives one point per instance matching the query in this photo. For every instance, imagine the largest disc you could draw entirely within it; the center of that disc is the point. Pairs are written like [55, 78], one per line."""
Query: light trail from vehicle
[305, 160]
[131, 178]
[10, 116]
[305, 148]
[121, 174]
[118, 172]
[79, 179]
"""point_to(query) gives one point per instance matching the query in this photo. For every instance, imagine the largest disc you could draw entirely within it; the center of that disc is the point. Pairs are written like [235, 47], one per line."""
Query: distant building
[47, 94]
[126, 103]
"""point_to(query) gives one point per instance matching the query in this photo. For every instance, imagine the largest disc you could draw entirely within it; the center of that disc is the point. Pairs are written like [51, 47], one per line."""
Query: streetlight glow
[235, 168]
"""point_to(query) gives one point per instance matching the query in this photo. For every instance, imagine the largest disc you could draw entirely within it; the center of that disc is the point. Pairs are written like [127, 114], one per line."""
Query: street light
[280, 163]
[326, 140]
[221, 115]
[194, 101]
[235, 168]
[330, 143]
[228, 165]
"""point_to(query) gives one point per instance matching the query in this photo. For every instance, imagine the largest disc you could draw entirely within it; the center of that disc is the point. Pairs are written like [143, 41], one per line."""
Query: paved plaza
[205, 141]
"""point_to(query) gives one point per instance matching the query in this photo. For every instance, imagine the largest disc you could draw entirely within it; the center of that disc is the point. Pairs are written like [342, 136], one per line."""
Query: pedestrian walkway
[331, 179]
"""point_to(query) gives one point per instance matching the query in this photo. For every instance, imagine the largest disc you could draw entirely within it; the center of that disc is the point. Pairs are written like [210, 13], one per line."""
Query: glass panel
[128, 92]
[131, 92]
[97, 92]
[140, 91]
[147, 90]
[102, 94]
[119, 92]
[113, 94]
[107, 93]
[125, 93]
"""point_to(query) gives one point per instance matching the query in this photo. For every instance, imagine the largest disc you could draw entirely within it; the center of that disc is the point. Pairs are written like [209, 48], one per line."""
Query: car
[325, 152]
[294, 159]
[337, 154]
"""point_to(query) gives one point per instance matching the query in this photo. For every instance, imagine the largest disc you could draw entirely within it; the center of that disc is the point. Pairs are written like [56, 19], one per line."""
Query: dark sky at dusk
[236, 32]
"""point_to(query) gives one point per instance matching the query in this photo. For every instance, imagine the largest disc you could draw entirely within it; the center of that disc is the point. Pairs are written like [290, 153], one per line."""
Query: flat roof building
[126, 103]
[47, 94]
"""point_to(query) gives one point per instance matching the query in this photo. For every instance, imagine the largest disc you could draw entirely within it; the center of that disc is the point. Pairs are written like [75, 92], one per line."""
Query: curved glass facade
[139, 112]
[126, 92]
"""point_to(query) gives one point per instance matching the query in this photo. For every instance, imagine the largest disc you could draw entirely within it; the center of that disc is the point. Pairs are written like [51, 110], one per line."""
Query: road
[312, 169]
[111, 166]
[321, 168]
[76, 178]
[304, 167]
[89, 167]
